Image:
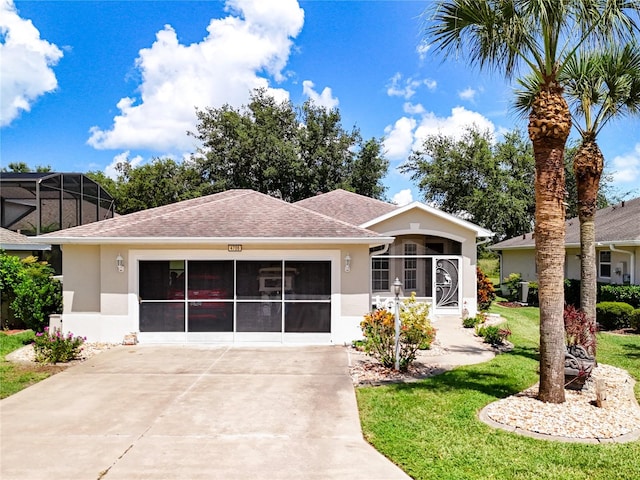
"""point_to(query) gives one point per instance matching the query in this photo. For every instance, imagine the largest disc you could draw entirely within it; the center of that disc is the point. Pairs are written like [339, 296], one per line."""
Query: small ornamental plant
[579, 330]
[493, 334]
[416, 332]
[54, 346]
[485, 291]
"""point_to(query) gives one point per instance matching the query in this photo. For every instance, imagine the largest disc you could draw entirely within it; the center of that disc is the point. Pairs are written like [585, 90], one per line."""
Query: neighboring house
[617, 247]
[14, 243]
[241, 266]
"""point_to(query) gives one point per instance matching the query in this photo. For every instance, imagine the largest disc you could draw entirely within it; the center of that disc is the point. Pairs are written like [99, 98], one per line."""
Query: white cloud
[413, 109]
[626, 168]
[467, 94]
[408, 134]
[110, 170]
[422, 49]
[223, 68]
[407, 88]
[324, 99]
[399, 138]
[403, 197]
[26, 64]
[454, 125]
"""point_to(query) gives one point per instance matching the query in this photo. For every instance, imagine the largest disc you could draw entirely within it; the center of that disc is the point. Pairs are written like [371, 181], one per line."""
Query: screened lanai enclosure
[40, 202]
[426, 265]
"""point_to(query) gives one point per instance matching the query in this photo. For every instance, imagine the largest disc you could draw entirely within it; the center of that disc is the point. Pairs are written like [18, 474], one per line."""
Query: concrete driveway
[192, 412]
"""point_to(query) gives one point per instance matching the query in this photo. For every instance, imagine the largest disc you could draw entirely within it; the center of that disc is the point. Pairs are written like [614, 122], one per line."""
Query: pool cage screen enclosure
[41, 202]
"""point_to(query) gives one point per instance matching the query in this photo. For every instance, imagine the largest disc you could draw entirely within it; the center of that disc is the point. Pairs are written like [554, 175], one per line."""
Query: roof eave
[25, 246]
[371, 241]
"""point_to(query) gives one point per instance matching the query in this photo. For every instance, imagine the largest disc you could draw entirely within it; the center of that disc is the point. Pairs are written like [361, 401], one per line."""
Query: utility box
[524, 291]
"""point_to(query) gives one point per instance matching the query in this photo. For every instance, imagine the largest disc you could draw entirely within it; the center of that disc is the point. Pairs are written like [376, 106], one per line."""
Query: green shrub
[512, 282]
[613, 315]
[29, 289]
[493, 334]
[54, 347]
[485, 292]
[416, 332]
[620, 293]
[634, 320]
[471, 322]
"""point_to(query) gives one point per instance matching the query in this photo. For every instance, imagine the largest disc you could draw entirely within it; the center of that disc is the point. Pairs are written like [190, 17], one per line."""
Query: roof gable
[242, 214]
[347, 206]
[479, 231]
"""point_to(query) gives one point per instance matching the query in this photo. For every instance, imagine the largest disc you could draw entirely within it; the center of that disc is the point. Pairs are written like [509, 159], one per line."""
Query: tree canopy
[292, 152]
[490, 183]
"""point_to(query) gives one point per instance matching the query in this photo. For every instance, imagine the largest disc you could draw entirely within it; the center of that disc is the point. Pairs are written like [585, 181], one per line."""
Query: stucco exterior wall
[518, 261]
[81, 278]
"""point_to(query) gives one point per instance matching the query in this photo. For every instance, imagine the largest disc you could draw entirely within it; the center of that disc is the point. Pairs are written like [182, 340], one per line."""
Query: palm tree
[542, 35]
[601, 85]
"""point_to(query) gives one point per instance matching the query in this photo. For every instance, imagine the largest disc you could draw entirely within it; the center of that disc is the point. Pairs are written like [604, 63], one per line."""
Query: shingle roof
[232, 214]
[10, 240]
[347, 206]
[619, 223]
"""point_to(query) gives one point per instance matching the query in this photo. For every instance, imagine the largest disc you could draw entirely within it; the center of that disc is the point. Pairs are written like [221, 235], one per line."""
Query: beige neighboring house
[617, 247]
[14, 243]
[241, 266]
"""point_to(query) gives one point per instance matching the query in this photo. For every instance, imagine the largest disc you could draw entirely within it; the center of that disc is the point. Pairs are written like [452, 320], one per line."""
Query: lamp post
[396, 289]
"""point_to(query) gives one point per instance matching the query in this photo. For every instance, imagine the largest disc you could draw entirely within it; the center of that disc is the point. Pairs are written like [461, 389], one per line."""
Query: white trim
[480, 232]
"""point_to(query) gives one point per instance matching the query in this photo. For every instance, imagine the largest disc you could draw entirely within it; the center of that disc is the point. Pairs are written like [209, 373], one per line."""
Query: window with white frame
[410, 267]
[380, 274]
[605, 264]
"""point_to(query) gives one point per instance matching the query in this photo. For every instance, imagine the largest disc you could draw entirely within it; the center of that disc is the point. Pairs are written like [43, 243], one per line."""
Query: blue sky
[88, 83]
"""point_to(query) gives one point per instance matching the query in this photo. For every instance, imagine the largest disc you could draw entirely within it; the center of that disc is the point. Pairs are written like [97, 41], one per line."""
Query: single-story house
[617, 247]
[241, 266]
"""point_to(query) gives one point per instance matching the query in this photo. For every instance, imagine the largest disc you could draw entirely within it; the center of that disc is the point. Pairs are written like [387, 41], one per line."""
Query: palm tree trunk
[549, 126]
[588, 165]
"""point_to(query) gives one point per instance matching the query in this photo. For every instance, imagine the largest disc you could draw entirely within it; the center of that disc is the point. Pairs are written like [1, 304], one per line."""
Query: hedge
[613, 315]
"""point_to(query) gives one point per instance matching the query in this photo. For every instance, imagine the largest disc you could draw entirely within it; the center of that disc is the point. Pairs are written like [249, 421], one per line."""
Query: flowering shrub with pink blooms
[54, 346]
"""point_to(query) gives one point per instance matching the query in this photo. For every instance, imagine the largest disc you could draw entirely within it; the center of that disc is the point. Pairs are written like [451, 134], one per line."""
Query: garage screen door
[235, 296]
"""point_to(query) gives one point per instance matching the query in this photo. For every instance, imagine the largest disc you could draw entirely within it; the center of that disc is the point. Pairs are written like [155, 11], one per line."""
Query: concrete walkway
[189, 412]
[462, 346]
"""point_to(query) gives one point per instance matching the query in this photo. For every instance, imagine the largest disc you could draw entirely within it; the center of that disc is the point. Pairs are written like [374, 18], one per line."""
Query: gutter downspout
[632, 262]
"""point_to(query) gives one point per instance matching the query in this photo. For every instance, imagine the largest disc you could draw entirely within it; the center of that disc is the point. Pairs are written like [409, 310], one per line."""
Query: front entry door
[446, 284]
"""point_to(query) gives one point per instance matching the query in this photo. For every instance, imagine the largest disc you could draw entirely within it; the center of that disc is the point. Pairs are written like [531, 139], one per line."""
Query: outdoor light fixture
[397, 284]
[120, 263]
[396, 289]
[347, 263]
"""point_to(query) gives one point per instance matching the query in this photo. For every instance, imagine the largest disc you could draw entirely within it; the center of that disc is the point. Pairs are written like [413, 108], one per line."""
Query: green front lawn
[430, 428]
[15, 377]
